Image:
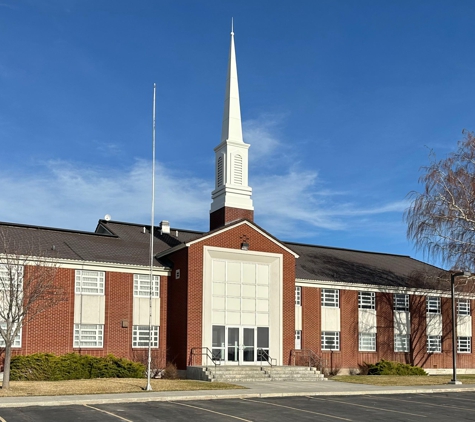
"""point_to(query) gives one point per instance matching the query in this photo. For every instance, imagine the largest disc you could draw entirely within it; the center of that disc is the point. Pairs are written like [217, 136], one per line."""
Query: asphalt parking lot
[395, 407]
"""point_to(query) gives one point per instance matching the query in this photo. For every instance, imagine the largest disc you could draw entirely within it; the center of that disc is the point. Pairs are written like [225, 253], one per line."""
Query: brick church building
[236, 294]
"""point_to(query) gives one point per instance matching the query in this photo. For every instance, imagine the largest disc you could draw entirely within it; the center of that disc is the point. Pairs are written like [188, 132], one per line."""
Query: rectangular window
[401, 302]
[434, 344]
[367, 342]
[366, 300]
[464, 344]
[298, 339]
[88, 335]
[10, 275]
[433, 305]
[330, 340]
[331, 298]
[90, 282]
[142, 285]
[401, 342]
[16, 341]
[141, 336]
[463, 307]
[298, 295]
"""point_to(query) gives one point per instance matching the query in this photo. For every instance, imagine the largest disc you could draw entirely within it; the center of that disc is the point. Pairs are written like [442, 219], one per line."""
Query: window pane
[330, 340]
[401, 302]
[88, 335]
[331, 298]
[141, 336]
[142, 285]
[366, 300]
[367, 342]
[433, 305]
[90, 282]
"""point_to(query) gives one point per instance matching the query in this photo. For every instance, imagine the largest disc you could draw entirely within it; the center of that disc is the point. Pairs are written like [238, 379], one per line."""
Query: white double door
[240, 345]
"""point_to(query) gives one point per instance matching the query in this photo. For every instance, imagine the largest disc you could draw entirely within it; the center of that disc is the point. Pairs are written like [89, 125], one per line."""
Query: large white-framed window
[142, 285]
[330, 340]
[16, 341]
[88, 335]
[463, 307]
[331, 298]
[10, 276]
[464, 344]
[367, 342]
[434, 344]
[366, 300]
[402, 342]
[298, 295]
[401, 302]
[90, 282]
[433, 305]
[140, 336]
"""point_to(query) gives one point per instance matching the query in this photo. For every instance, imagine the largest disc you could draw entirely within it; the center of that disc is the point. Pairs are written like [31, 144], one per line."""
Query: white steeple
[231, 180]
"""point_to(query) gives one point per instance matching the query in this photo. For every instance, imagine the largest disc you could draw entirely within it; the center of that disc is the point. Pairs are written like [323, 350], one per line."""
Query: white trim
[92, 265]
[380, 289]
[224, 229]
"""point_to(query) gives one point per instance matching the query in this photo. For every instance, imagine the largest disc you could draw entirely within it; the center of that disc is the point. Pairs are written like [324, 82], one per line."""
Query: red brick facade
[225, 215]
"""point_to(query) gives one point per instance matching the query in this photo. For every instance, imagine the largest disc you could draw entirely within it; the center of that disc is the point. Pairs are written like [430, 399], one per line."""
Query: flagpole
[152, 229]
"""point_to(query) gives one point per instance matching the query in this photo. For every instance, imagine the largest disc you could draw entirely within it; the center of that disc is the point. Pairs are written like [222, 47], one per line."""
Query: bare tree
[441, 219]
[27, 288]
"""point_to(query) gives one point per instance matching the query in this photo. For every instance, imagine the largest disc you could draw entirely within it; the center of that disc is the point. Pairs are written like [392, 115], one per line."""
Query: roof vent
[164, 227]
[144, 230]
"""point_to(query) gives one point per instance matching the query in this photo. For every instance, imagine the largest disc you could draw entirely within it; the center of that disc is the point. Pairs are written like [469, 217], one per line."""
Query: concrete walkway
[253, 390]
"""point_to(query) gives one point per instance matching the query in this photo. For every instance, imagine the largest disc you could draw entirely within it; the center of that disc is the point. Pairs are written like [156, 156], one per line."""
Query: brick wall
[52, 330]
[221, 217]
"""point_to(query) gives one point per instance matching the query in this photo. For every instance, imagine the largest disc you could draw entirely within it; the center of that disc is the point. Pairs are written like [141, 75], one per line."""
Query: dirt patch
[395, 380]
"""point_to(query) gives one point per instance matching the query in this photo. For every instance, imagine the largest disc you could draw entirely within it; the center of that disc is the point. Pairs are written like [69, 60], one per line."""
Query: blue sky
[341, 102]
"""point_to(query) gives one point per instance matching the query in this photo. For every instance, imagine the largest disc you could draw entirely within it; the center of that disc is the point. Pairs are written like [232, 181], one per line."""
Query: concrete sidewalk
[253, 390]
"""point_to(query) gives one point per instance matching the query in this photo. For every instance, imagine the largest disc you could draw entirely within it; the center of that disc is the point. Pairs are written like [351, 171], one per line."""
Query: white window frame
[17, 340]
[298, 296]
[298, 339]
[402, 343]
[330, 298]
[464, 344]
[366, 300]
[433, 304]
[140, 336]
[367, 342]
[434, 344]
[330, 340]
[89, 336]
[401, 302]
[463, 307]
[142, 285]
[89, 282]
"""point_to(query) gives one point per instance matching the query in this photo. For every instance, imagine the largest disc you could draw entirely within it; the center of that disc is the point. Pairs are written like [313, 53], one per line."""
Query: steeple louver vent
[237, 170]
[220, 171]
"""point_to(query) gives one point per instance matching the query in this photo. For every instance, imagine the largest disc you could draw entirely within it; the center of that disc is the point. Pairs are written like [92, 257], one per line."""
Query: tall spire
[232, 129]
[232, 195]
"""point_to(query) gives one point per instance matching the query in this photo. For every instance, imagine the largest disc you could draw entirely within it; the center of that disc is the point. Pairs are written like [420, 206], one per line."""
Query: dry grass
[394, 380]
[106, 385]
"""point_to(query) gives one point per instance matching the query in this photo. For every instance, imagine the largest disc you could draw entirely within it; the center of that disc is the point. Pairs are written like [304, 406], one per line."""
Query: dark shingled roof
[352, 266]
[126, 243]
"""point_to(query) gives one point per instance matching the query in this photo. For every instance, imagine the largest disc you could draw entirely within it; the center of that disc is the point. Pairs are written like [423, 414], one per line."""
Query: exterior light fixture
[245, 246]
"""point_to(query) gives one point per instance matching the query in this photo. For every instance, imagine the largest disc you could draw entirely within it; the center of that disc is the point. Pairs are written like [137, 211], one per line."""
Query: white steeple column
[231, 173]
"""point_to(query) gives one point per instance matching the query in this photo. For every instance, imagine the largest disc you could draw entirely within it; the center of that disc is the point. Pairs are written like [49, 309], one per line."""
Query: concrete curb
[63, 401]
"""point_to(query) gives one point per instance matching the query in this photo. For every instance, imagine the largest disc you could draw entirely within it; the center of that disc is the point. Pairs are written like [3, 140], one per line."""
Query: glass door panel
[248, 348]
[218, 342]
[233, 344]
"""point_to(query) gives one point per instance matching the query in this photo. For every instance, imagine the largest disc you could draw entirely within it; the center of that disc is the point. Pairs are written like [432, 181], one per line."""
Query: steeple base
[225, 215]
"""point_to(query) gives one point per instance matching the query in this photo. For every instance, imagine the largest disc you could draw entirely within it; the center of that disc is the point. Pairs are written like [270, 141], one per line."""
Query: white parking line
[109, 413]
[2, 420]
[430, 404]
[368, 407]
[211, 411]
[299, 410]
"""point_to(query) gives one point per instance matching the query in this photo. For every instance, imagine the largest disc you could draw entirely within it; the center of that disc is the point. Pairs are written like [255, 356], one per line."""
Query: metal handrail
[312, 359]
[204, 351]
[264, 353]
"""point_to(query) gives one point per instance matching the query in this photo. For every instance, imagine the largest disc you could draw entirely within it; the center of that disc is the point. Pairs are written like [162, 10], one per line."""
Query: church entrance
[239, 345]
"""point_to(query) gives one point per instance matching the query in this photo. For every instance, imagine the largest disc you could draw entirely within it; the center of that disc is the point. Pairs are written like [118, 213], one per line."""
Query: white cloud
[294, 203]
